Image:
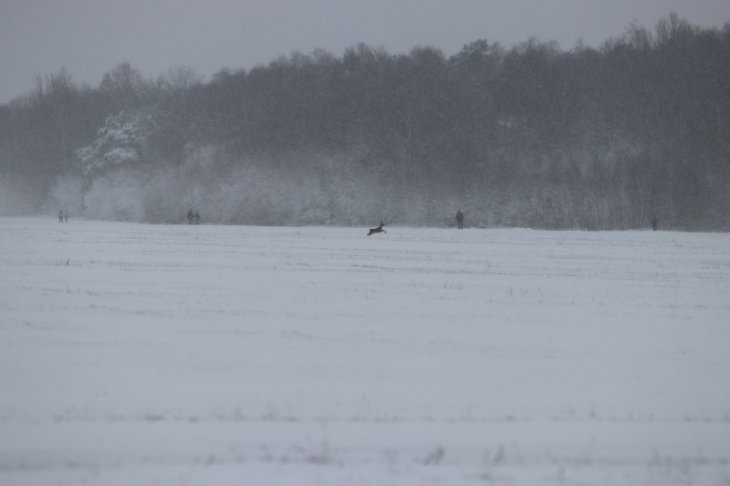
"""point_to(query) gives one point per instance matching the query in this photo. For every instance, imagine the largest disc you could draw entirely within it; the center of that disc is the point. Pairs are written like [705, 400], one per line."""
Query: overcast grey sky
[89, 37]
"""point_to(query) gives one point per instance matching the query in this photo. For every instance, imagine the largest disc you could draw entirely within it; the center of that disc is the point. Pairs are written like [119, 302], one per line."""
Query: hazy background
[89, 37]
[559, 114]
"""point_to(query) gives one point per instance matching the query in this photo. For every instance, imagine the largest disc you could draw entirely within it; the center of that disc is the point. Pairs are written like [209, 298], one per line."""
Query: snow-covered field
[143, 354]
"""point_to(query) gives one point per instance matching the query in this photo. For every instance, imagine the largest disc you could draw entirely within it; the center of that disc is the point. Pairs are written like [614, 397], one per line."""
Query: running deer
[379, 229]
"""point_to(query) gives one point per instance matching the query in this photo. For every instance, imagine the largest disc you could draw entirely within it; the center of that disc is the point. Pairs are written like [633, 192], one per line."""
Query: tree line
[531, 135]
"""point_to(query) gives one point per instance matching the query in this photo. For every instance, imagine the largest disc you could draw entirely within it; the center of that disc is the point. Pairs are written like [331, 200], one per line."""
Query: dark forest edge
[533, 135]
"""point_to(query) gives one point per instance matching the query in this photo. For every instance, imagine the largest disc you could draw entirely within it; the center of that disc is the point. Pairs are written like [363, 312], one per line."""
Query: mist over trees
[532, 136]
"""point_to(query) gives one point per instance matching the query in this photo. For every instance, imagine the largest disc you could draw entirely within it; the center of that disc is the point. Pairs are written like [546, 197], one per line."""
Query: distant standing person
[196, 217]
[65, 216]
[460, 219]
[60, 215]
[654, 223]
[190, 216]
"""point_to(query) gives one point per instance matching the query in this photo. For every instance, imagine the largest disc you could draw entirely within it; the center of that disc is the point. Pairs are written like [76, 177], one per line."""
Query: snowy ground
[142, 354]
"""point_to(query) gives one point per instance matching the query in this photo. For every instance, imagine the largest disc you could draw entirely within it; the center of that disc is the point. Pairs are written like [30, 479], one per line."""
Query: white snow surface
[206, 355]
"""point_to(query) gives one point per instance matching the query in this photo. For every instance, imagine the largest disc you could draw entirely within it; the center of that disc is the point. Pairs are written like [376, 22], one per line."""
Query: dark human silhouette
[60, 215]
[460, 219]
[196, 218]
[190, 216]
[654, 223]
[379, 229]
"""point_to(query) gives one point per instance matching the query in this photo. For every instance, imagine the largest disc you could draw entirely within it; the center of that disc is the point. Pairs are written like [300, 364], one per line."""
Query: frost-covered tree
[119, 143]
